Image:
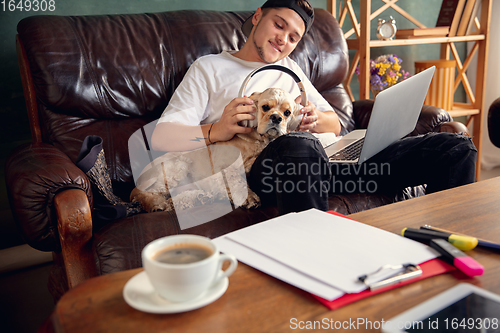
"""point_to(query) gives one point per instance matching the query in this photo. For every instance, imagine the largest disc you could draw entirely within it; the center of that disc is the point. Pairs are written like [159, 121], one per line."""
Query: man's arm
[170, 136]
[179, 137]
[328, 121]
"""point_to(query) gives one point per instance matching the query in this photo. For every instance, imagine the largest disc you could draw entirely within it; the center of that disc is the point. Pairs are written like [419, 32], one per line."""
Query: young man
[204, 106]
[214, 81]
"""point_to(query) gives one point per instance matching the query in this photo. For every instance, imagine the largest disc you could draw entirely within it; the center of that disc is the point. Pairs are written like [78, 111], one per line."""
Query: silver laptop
[394, 115]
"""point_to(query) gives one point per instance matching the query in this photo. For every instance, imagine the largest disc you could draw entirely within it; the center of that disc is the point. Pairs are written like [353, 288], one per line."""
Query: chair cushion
[118, 246]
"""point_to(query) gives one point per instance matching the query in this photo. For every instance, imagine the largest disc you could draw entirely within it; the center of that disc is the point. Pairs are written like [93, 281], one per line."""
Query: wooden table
[256, 302]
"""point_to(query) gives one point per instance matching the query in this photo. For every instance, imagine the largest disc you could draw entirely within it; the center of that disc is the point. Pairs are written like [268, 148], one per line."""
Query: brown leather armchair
[109, 76]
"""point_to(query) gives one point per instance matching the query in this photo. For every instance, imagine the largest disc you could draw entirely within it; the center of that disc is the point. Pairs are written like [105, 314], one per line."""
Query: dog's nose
[276, 119]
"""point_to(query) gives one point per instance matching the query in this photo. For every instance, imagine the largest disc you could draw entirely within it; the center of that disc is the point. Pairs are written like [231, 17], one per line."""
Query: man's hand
[239, 109]
[311, 116]
[318, 121]
[309, 122]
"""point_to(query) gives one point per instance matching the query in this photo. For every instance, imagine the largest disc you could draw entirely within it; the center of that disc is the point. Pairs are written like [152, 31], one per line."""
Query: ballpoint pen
[480, 242]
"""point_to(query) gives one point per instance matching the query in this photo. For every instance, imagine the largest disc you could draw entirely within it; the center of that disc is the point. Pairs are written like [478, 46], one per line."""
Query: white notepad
[321, 253]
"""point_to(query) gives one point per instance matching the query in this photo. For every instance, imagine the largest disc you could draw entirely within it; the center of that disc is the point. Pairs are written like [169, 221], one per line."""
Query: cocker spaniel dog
[181, 180]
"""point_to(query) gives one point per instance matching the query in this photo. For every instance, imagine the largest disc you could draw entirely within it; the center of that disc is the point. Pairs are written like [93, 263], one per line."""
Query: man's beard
[260, 50]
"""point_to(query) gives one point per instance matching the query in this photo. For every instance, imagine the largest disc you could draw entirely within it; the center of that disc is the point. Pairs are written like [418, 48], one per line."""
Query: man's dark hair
[301, 7]
[306, 6]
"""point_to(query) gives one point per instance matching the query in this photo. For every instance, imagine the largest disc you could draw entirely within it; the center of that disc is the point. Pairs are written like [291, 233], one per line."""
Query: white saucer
[139, 294]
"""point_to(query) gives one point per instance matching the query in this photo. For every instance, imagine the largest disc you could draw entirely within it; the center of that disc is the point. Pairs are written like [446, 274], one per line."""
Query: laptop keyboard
[349, 153]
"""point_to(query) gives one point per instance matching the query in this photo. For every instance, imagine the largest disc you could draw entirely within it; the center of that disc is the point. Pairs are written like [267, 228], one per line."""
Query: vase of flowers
[385, 71]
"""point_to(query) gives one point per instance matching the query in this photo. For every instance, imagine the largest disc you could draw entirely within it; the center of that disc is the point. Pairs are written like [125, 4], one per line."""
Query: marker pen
[459, 259]
[464, 243]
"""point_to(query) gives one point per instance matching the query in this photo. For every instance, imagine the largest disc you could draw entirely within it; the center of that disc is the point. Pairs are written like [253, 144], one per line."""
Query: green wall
[14, 126]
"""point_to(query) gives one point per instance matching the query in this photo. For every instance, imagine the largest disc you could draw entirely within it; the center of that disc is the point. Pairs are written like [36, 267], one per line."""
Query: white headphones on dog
[253, 123]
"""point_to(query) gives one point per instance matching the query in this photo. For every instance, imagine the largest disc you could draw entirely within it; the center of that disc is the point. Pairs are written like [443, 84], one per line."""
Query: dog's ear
[295, 118]
[255, 97]
[252, 123]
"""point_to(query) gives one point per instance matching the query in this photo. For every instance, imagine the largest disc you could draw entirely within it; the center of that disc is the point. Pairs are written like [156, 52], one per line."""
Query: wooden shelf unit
[362, 43]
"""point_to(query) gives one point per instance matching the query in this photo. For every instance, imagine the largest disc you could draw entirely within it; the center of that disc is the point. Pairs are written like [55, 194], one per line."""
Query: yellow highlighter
[464, 243]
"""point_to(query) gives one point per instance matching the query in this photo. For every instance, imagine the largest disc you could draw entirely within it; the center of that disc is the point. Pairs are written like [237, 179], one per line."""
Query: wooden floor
[24, 298]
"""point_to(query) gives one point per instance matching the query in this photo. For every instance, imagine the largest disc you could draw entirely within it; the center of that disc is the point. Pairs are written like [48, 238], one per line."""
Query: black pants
[293, 171]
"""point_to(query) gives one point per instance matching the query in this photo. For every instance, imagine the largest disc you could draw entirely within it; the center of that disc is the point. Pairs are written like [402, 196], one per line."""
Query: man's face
[276, 34]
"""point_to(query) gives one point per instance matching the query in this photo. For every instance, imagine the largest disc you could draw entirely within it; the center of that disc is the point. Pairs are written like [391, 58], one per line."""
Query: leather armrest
[75, 232]
[494, 122]
[431, 119]
[362, 111]
[35, 174]
[337, 97]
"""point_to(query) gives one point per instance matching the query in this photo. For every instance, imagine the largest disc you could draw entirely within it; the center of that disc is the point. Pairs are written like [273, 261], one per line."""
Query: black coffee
[183, 254]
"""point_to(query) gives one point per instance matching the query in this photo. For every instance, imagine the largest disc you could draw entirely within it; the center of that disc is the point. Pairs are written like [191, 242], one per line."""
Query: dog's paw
[252, 201]
[192, 198]
[152, 202]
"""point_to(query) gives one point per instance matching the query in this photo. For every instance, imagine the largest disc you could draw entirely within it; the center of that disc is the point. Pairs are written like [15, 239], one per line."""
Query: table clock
[386, 30]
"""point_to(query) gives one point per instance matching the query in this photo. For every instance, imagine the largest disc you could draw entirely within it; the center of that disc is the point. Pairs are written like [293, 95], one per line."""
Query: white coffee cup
[181, 282]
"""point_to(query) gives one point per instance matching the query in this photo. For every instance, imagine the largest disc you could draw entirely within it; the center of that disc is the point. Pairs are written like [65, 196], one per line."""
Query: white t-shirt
[213, 81]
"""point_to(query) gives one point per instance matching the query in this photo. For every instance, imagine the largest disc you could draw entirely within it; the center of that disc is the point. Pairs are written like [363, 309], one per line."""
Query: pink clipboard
[429, 268]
